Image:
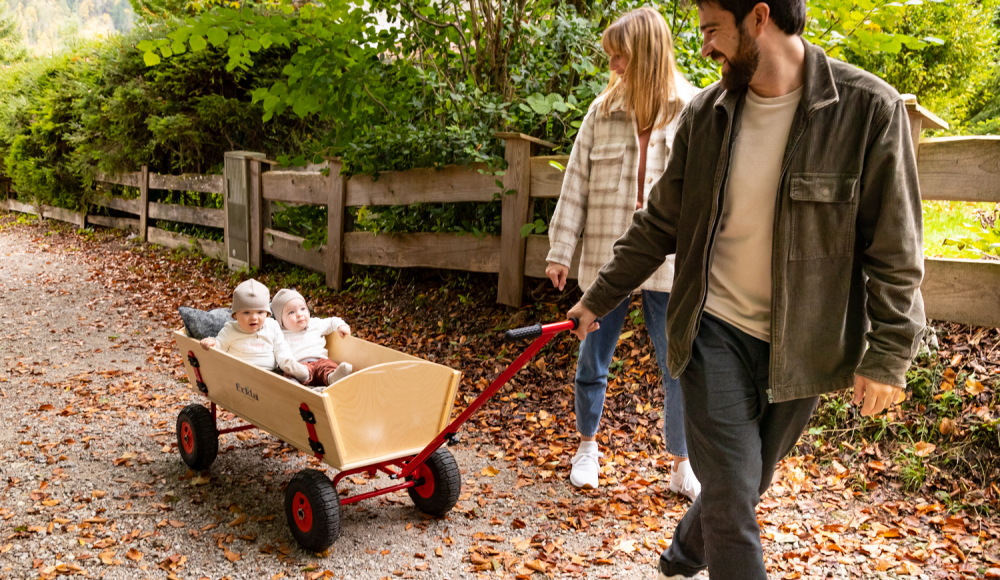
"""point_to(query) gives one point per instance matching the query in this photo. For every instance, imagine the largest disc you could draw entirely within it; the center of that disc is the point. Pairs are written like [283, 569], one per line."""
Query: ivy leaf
[150, 58]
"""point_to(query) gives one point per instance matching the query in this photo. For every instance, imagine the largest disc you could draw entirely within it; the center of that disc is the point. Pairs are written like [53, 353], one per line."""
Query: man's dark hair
[788, 15]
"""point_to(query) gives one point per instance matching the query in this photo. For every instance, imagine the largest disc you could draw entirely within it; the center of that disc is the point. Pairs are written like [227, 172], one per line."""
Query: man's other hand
[587, 320]
[558, 274]
[877, 396]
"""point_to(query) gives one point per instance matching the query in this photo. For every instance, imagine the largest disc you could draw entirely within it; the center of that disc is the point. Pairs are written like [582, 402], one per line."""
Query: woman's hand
[344, 331]
[208, 343]
[558, 274]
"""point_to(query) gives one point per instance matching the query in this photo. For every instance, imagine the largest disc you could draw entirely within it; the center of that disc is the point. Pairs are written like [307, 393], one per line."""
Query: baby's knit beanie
[250, 295]
[284, 296]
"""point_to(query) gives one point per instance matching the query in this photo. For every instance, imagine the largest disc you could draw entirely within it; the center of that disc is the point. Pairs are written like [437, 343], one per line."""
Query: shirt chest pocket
[823, 208]
[606, 166]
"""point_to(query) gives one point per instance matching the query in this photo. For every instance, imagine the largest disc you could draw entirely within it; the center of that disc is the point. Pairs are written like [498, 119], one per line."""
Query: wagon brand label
[247, 392]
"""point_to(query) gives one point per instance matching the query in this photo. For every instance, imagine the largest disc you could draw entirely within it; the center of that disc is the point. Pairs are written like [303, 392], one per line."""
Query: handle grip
[525, 333]
[534, 331]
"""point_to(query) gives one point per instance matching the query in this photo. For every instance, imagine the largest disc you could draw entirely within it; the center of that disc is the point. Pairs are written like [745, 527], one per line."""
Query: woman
[620, 151]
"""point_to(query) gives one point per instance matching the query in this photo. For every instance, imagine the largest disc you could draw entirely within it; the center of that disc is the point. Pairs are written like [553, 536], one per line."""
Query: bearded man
[791, 202]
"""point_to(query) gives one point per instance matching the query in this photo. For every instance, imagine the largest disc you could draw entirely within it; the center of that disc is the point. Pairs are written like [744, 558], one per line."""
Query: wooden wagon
[390, 415]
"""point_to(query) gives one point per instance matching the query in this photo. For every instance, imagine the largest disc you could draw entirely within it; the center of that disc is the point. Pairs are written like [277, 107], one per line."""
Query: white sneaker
[585, 465]
[343, 369]
[683, 481]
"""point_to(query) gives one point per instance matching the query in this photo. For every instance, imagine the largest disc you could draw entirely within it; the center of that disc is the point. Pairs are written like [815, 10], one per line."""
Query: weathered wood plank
[289, 248]
[516, 207]
[114, 222]
[295, 186]
[127, 179]
[960, 168]
[535, 252]
[186, 182]
[425, 250]
[336, 211]
[64, 215]
[255, 201]
[964, 291]
[125, 205]
[14, 205]
[186, 214]
[446, 185]
[144, 204]
[167, 239]
[546, 181]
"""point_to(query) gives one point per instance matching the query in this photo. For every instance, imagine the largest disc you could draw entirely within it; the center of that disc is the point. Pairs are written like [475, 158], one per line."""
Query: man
[791, 202]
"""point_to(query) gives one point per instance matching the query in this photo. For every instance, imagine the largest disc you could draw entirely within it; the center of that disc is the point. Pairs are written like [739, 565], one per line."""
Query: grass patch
[946, 219]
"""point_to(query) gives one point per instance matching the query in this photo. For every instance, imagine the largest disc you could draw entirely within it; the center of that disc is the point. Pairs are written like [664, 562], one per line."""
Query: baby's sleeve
[282, 350]
[224, 338]
[330, 325]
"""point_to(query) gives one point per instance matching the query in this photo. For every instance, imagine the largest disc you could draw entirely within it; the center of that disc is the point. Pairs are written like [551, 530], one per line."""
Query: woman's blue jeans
[596, 353]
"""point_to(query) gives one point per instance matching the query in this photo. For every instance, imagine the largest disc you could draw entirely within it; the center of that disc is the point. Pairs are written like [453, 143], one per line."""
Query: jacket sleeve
[571, 210]
[890, 225]
[651, 237]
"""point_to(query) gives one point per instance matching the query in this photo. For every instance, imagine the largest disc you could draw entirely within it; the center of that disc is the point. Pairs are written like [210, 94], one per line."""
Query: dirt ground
[93, 485]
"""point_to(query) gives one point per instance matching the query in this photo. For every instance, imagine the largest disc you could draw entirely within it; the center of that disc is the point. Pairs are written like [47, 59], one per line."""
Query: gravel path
[92, 484]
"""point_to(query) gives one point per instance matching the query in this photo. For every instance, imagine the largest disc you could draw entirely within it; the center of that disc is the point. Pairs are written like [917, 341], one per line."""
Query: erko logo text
[246, 391]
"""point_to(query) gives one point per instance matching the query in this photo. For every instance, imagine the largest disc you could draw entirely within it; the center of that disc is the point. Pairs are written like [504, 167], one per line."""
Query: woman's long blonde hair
[649, 90]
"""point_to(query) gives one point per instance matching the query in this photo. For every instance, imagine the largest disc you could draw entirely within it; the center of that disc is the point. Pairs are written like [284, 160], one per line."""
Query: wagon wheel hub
[187, 437]
[303, 512]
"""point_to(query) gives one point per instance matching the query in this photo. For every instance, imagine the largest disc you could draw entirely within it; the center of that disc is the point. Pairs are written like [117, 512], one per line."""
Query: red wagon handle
[542, 333]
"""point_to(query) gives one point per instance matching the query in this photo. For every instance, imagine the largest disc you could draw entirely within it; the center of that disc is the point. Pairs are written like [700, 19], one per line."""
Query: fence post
[515, 213]
[920, 119]
[143, 203]
[256, 207]
[239, 198]
[336, 211]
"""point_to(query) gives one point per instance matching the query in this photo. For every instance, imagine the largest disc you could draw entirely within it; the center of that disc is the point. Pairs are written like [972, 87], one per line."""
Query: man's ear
[758, 18]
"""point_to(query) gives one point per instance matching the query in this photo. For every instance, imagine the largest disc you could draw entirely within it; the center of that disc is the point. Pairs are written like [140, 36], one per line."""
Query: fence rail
[953, 168]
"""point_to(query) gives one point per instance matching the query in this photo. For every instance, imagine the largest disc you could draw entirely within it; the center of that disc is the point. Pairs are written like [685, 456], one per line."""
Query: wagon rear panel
[391, 410]
[271, 402]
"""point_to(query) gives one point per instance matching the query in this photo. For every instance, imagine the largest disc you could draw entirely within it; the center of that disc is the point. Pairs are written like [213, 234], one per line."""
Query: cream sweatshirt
[310, 344]
[265, 349]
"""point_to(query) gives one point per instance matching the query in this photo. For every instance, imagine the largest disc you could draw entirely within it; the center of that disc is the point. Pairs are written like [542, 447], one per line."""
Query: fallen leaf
[230, 555]
[490, 471]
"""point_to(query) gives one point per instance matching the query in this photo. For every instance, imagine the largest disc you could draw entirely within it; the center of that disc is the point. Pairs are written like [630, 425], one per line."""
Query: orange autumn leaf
[134, 554]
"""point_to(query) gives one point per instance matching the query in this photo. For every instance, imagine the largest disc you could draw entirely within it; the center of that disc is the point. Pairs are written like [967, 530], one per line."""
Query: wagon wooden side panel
[391, 410]
[267, 400]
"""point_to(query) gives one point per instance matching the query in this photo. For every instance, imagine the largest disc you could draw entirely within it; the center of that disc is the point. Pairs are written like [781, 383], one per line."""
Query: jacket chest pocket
[606, 166]
[823, 207]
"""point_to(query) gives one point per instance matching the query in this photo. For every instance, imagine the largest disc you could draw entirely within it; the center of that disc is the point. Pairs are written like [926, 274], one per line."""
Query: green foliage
[943, 52]
[11, 42]
[984, 238]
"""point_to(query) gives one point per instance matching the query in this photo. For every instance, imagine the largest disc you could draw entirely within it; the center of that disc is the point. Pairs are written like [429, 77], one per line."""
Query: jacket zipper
[714, 226]
[777, 220]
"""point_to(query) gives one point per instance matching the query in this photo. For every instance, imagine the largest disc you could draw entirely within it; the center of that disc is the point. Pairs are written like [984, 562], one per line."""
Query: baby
[253, 337]
[307, 338]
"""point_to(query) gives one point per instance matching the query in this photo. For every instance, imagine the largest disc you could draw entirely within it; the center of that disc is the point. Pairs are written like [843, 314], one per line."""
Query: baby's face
[251, 320]
[295, 315]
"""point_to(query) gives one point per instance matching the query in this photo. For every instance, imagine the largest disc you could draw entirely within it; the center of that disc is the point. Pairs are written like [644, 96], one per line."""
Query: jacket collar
[818, 91]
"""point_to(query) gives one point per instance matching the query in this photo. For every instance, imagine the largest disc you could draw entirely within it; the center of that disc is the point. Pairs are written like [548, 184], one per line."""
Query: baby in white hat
[254, 337]
[307, 338]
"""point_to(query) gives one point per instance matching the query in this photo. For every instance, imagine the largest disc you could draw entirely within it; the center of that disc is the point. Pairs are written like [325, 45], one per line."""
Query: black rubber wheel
[197, 437]
[439, 483]
[312, 508]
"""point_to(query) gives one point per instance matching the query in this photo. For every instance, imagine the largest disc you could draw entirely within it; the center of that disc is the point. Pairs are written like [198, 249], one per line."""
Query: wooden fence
[954, 169]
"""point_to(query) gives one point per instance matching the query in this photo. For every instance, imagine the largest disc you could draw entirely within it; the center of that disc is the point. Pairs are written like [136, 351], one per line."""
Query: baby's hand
[208, 343]
[344, 331]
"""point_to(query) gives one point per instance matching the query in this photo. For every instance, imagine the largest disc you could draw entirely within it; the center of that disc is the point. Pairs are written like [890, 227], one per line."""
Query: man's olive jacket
[847, 257]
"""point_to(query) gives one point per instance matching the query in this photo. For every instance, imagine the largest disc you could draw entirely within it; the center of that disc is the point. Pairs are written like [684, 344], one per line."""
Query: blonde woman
[620, 151]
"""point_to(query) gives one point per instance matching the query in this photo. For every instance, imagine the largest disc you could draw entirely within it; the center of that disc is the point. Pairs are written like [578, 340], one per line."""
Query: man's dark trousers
[735, 439]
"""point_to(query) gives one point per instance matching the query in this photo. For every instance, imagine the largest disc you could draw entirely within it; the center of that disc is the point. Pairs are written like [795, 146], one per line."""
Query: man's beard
[743, 64]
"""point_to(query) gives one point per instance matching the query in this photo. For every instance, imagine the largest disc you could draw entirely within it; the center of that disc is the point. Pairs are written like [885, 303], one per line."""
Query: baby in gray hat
[307, 338]
[254, 337]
